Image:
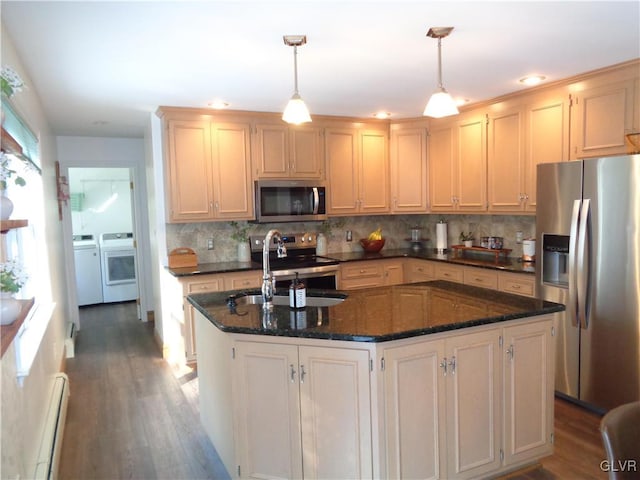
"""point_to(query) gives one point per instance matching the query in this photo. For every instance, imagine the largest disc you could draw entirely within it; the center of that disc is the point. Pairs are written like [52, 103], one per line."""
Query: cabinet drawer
[203, 286]
[237, 281]
[516, 283]
[445, 271]
[419, 271]
[480, 277]
[361, 270]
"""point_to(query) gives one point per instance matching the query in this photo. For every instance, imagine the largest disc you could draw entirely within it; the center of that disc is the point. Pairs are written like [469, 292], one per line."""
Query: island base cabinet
[471, 405]
[303, 412]
[528, 386]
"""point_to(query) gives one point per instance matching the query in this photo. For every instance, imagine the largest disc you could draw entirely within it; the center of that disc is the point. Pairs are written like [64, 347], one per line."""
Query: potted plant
[240, 234]
[12, 278]
[10, 81]
[467, 239]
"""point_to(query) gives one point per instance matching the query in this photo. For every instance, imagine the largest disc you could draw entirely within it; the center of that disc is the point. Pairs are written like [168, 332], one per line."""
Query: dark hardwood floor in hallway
[132, 416]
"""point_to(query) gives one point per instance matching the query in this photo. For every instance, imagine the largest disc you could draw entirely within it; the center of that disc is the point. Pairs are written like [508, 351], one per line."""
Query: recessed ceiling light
[218, 104]
[531, 80]
[382, 115]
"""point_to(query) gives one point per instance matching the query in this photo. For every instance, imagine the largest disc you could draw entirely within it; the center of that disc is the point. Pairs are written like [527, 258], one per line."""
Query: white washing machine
[88, 269]
[119, 281]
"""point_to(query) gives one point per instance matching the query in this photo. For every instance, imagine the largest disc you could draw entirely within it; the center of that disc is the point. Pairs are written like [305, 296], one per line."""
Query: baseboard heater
[51, 445]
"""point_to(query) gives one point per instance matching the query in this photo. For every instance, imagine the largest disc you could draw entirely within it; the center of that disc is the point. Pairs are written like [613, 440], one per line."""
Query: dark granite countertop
[474, 260]
[374, 314]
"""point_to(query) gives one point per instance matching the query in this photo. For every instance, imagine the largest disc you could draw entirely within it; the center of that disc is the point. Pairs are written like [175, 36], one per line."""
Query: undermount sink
[284, 300]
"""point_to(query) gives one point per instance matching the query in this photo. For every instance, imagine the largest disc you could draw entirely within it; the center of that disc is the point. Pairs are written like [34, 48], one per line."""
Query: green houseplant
[467, 238]
[240, 233]
[12, 278]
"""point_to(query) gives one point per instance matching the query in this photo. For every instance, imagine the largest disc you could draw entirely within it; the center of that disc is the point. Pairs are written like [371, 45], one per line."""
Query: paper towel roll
[441, 236]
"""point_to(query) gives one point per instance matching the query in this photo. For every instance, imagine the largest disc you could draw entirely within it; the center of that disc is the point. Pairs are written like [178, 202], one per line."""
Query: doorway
[103, 223]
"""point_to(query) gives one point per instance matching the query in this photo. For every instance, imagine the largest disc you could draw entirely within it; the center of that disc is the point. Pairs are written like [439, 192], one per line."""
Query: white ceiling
[100, 68]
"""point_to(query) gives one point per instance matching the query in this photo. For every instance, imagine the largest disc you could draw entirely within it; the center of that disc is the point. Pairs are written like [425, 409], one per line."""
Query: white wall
[23, 407]
[103, 200]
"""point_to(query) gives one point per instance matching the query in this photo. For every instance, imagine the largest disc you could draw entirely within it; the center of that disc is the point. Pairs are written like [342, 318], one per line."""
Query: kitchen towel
[441, 236]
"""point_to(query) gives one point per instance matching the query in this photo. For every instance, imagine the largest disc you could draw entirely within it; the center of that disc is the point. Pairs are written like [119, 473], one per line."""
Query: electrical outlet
[518, 237]
[349, 236]
[210, 244]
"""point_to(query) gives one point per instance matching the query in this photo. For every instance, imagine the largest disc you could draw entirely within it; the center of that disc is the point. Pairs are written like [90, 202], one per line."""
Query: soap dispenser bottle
[297, 293]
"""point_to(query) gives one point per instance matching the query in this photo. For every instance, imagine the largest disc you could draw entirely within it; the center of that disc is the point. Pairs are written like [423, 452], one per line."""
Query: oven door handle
[316, 200]
[306, 272]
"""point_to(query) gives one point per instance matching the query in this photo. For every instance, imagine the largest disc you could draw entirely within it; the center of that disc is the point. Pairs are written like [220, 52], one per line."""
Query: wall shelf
[459, 250]
[6, 225]
[9, 332]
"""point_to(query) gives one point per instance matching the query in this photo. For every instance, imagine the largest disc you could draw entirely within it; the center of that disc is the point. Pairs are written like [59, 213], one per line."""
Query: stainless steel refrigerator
[588, 258]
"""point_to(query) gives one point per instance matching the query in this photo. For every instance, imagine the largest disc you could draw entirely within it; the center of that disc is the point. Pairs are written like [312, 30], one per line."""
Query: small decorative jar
[9, 308]
[321, 244]
[244, 252]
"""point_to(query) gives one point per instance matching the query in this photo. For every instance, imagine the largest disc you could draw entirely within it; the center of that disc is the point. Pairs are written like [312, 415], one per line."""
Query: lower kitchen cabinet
[370, 273]
[469, 405]
[302, 411]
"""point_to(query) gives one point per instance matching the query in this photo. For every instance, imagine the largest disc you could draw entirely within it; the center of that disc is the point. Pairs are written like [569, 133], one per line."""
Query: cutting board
[182, 257]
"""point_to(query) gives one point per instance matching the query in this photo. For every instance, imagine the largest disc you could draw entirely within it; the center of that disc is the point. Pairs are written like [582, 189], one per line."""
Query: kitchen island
[428, 380]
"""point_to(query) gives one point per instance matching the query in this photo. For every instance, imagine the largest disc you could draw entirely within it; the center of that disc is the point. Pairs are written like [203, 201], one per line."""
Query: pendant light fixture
[296, 111]
[440, 104]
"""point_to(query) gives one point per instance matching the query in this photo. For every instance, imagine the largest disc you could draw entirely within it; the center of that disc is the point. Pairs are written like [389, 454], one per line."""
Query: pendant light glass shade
[440, 104]
[296, 112]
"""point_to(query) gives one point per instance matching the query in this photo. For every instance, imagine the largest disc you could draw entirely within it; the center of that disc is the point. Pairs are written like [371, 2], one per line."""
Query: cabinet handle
[509, 352]
[452, 364]
[292, 374]
[302, 373]
[479, 280]
[443, 366]
[515, 286]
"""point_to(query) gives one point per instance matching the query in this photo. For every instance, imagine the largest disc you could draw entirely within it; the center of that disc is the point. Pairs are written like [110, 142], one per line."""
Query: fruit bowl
[372, 246]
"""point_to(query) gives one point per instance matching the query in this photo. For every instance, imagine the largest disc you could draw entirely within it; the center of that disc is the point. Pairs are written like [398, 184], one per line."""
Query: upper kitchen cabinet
[282, 151]
[408, 169]
[522, 135]
[458, 163]
[207, 164]
[604, 110]
[357, 170]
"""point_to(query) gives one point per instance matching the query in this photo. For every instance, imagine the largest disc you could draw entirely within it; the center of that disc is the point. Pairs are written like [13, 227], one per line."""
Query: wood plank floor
[132, 416]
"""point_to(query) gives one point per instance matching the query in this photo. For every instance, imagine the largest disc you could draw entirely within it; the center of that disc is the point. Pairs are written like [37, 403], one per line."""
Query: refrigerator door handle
[573, 249]
[583, 262]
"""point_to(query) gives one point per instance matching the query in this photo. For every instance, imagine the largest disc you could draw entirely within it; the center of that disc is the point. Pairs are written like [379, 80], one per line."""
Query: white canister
[321, 244]
[529, 250]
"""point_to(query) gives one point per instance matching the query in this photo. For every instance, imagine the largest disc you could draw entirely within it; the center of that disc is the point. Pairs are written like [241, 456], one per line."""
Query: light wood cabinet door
[243, 280]
[443, 168]
[361, 275]
[458, 165]
[480, 277]
[357, 171]
[473, 393]
[306, 153]
[547, 138]
[448, 271]
[374, 172]
[393, 273]
[518, 283]
[342, 171]
[269, 438]
[231, 160]
[506, 160]
[415, 411]
[601, 116]
[408, 170]
[271, 151]
[335, 413]
[198, 284]
[281, 151]
[528, 387]
[188, 161]
[319, 412]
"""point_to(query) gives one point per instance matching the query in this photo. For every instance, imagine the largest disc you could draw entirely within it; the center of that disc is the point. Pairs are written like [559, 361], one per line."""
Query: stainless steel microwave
[290, 201]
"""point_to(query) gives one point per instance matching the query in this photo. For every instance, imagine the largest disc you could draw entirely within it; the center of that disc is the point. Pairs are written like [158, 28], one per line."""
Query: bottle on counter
[297, 293]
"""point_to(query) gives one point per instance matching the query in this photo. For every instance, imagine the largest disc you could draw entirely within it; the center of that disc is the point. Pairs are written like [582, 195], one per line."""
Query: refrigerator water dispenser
[555, 259]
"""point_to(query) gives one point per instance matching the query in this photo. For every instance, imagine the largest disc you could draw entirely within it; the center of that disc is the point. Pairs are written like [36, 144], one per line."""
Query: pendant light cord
[295, 70]
[440, 64]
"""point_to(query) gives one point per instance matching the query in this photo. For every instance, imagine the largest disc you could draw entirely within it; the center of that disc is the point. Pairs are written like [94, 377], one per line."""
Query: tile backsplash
[395, 228]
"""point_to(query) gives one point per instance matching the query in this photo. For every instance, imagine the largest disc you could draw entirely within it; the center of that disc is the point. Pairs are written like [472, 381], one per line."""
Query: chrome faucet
[268, 282]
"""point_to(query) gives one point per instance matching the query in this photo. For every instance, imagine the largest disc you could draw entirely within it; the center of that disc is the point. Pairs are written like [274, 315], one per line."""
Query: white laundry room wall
[100, 200]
